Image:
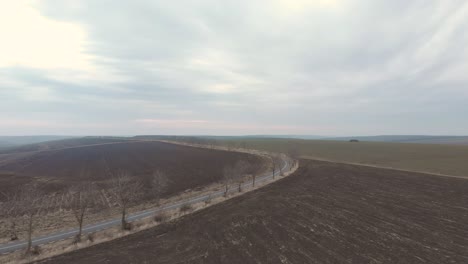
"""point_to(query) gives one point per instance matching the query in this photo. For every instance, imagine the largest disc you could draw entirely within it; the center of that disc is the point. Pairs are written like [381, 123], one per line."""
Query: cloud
[315, 67]
[28, 38]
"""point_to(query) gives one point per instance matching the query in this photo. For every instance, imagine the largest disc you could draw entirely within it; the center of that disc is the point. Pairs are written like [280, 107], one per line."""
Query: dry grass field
[431, 158]
[324, 213]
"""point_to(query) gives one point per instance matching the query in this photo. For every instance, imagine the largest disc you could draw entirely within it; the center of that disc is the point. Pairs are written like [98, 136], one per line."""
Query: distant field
[456, 140]
[63, 143]
[450, 141]
[441, 159]
[186, 167]
[10, 141]
[324, 213]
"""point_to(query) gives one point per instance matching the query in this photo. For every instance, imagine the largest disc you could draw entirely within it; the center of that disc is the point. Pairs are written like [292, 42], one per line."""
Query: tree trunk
[30, 225]
[80, 231]
[14, 234]
[124, 222]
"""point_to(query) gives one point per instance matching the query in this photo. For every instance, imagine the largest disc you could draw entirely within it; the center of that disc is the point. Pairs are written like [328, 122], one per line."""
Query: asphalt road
[54, 237]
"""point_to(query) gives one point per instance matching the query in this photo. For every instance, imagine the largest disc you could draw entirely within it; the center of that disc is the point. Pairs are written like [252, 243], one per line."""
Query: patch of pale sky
[30, 39]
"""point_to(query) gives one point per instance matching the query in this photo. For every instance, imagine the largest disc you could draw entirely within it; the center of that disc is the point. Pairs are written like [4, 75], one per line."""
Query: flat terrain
[12, 141]
[324, 213]
[62, 143]
[186, 167]
[430, 158]
[455, 140]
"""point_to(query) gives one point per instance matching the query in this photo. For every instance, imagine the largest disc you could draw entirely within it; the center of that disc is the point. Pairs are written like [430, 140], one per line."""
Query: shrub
[91, 237]
[161, 218]
[185, 208]
[208, 201]
[128, 226]
[36, 250]
[76, 239]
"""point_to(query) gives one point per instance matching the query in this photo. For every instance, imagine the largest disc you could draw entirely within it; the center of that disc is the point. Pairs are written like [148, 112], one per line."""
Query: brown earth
[186, 167]
[427, 158]
[324, 213]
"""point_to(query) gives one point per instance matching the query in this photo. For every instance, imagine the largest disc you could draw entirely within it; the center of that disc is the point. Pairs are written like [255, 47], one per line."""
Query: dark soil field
[324, 213]
[186, 167]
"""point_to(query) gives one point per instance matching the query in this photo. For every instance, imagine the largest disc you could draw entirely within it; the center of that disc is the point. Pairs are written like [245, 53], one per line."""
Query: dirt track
[325, 213]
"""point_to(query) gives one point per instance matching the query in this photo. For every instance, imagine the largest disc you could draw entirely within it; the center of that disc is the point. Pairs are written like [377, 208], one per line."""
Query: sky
[233, 67]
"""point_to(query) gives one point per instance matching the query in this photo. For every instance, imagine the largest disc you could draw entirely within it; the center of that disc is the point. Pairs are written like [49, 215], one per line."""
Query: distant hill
[61, 143]
[11, 141]
[286, 136]
[453, 140]
[4, 145]
[162, 137]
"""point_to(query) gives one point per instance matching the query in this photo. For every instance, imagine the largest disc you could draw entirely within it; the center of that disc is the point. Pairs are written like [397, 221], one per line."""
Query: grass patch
[431, 158]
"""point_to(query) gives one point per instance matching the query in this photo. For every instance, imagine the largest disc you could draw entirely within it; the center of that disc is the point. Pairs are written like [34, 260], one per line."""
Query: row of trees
[236, 174]
[23, 208]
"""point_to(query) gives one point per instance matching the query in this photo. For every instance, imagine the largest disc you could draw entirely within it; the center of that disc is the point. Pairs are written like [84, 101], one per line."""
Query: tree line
[23, 208]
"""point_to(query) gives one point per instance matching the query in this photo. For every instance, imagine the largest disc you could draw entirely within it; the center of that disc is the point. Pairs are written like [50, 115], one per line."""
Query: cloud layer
[329, 67]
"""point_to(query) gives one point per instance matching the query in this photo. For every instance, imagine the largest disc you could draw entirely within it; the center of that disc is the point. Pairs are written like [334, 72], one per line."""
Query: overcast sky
[318, 67]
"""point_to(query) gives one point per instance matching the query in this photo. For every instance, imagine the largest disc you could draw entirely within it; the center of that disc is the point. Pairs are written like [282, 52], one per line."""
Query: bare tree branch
[32, 203]
[10, 209]
[293, 153]
[277, 164]
[159, 183]
[228, 176]
[125, 191]
[80, 199]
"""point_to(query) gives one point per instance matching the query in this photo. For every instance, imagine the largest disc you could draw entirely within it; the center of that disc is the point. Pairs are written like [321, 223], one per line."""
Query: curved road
[54, 237]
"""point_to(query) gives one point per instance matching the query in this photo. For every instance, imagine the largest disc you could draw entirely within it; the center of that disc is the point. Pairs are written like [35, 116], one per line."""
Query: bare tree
[293, 154]
[159, 183]
[32, 202]
[273, 166]
[254, 178]
[240, 170]
[11, 210]
[228, 175]
[125, 190]
[277, 163]
[80, 200]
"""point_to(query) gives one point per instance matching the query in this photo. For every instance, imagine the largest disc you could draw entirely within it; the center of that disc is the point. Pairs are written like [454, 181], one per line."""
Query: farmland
[188, 171]
[430, 158]
[324, 213]
[63, 143]
[186, 167]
